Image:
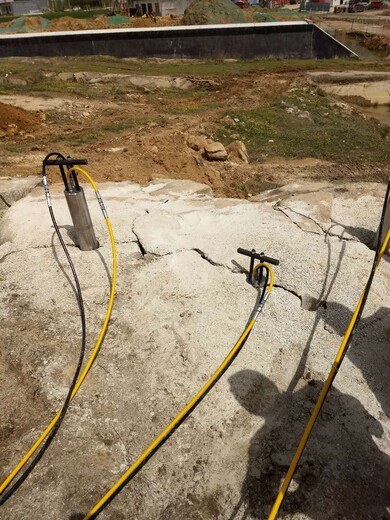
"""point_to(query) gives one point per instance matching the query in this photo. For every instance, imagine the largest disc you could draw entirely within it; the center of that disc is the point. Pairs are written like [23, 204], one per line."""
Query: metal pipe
[78, 208]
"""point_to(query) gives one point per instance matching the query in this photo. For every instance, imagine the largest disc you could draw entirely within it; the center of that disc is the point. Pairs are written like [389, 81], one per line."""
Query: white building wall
[163, 7]
[176, 7]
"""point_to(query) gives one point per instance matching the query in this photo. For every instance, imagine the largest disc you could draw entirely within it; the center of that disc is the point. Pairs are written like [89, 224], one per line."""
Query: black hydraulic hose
[7, 494]
[265, 285]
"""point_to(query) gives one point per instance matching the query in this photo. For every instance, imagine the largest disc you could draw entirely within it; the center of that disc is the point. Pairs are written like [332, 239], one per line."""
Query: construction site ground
[132, 119]
[182, 297]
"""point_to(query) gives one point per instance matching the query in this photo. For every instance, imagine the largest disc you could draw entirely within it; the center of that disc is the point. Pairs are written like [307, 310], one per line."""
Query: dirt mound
[378, 43]
[14, 120]
[373, 42]
[25, 24]
[158, 21]
[66, 23]
[202, 12]
[35, 23]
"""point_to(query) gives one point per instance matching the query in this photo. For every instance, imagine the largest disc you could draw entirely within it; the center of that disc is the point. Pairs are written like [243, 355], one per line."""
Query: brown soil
[142, 135]
[33, 22]
[159, 21]
[10, 115]
[66, 23]
[377, 43]
[348, 25]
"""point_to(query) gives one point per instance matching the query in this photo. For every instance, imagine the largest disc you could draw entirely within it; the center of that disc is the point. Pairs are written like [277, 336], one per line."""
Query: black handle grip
[258, 256]
[66, 162]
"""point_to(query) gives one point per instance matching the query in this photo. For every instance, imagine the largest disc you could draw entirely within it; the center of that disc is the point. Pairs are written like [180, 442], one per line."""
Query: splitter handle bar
[258, 256]
[66, 162]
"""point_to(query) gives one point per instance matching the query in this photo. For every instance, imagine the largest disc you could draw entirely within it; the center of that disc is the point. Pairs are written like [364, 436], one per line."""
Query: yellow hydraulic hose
[93, 513]
[96, 348]
[336, 364]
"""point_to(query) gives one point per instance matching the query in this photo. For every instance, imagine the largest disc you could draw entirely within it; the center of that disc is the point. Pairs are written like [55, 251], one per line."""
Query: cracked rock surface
[182, 302]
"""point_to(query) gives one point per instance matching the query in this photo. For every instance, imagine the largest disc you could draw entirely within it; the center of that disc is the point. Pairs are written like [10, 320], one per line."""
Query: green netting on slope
[263, 17]
[26, 24]
[117, 20]
[203, 12]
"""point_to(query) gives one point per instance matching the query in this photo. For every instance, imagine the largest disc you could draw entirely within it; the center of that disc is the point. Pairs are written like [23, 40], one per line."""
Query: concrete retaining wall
[242, 41]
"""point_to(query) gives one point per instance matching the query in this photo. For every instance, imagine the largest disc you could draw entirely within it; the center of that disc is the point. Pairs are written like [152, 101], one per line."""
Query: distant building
[23, 7]
[161, 7]
[6, 7]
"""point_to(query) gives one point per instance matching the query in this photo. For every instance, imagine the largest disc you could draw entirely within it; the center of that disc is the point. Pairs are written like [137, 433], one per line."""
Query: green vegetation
[191, 108]
[175, 93]
[81, 15]
[262, 17]
[82, 137]
[15, 149]
[61, 87]
[7, 18]
[53, 15]
[309, 125]
[179, 68]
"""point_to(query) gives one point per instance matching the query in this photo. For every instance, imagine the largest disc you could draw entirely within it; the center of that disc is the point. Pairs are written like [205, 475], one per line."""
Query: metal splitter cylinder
[78, 208]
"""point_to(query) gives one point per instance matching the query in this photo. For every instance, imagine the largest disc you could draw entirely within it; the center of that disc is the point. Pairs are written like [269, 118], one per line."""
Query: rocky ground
[182, 301]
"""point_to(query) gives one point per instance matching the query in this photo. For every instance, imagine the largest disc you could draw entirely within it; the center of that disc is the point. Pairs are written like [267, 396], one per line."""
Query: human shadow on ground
[369, 349]
[342, 473]
[363, 235]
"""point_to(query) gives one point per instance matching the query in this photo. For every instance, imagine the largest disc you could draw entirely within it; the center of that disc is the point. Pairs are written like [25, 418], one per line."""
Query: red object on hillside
[242, 4]
[375, 5]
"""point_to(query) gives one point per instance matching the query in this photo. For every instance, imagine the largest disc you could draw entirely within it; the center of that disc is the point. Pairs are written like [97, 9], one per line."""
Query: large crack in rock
[277, 207]
[323, 229]
[206, 257]
[291, 291]
[142, 249]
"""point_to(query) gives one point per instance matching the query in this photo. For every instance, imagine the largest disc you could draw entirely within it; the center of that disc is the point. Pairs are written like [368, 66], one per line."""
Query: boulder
[215, 151]
[237, 150]
[65, 76]
[13, 189]
[17, 82]
[83, 77]
[197, 142]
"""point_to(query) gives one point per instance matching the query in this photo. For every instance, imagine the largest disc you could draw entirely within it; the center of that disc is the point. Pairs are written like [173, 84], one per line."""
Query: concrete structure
[161, 7]
[24, 7]
[6, 7]
[241, 41]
